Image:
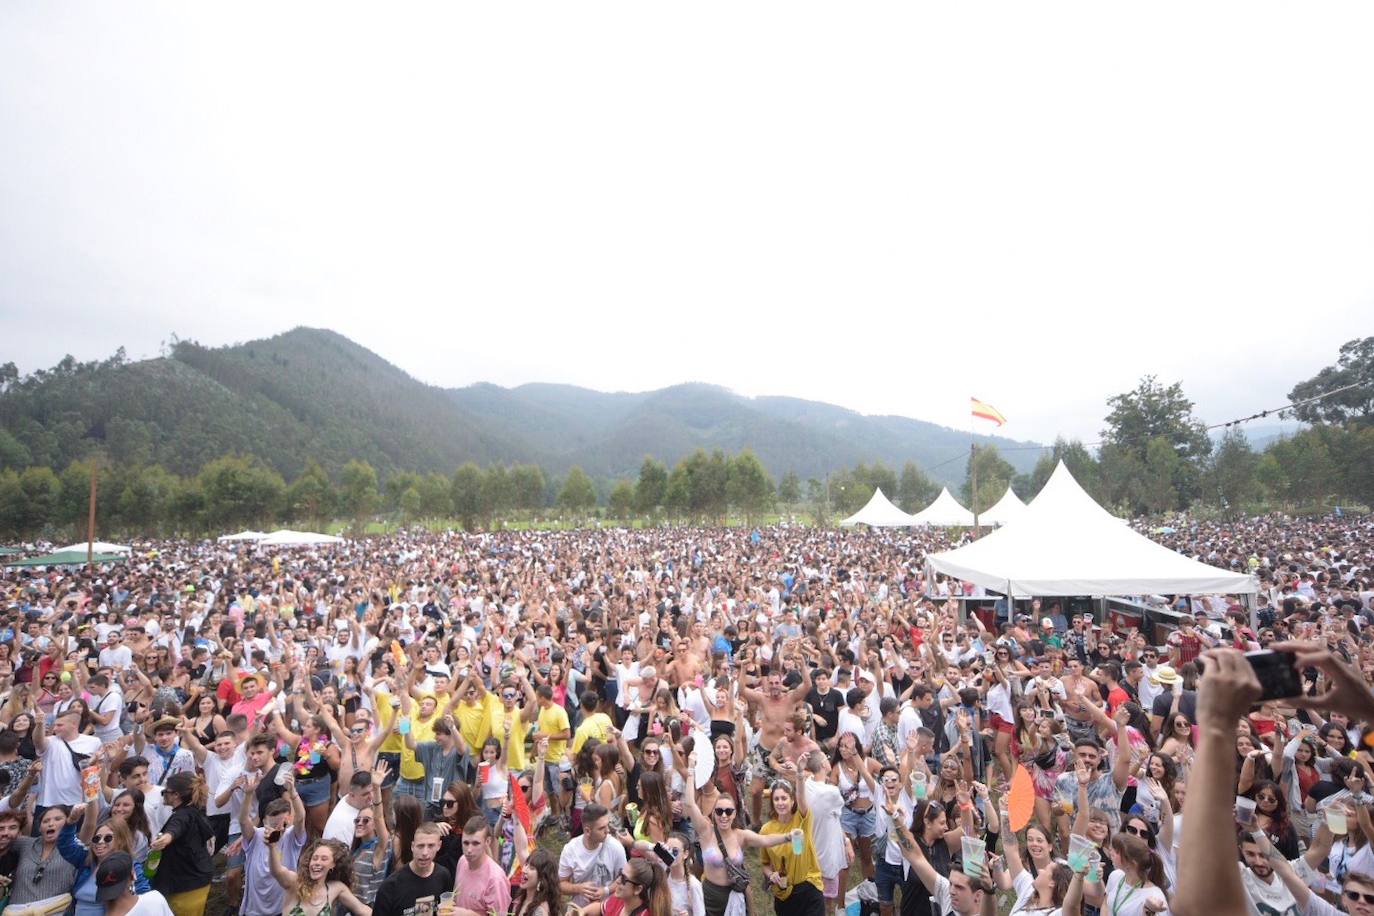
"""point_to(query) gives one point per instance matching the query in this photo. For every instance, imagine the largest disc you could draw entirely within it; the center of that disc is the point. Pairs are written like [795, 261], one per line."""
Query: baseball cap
[112, 876]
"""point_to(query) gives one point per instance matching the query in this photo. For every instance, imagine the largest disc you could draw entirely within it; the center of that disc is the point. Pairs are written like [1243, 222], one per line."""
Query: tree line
[1155, 457]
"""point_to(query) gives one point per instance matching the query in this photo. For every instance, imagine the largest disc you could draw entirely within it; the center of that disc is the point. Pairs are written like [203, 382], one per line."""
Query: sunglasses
[357, 730]
[450, 803]
[624, 880]
[1136, 831]
[1357, 897]
[647, 751]
[102, 838]
[362, 820]
[724, 812]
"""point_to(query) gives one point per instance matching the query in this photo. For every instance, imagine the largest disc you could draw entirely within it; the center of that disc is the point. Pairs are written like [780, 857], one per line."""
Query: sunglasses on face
[450, 803]
[624, 880]
[102, 838]
[1357, 897]
[360, 821]
[724, 812]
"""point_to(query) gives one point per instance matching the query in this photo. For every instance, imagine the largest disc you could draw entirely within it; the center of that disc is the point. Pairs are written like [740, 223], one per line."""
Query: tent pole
[90, 522]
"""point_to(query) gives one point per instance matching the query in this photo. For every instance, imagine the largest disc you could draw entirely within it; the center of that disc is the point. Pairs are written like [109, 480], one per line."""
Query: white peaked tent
[243, 536]
[945, 512]
[1004, 510]
[97, 547]
[1066, 544]
[285, 537]
[879, 513]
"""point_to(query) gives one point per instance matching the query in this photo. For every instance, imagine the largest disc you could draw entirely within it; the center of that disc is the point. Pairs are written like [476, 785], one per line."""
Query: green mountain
[312, 393]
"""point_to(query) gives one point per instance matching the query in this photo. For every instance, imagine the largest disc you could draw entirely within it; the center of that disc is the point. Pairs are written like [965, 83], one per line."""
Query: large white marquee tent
[285, 537]
[879, 512]
[97, 547]
[945, 512]
[1066, 544]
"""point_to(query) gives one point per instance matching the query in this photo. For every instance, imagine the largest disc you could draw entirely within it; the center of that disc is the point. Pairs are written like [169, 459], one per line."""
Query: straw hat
[1165, 675]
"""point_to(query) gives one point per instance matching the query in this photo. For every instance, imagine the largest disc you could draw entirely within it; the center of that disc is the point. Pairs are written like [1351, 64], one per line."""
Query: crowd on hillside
[677, 722]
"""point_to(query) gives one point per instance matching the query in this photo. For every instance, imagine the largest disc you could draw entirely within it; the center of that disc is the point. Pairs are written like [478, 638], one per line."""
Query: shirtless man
[776, 706]
[1079, 689]
[795, 743]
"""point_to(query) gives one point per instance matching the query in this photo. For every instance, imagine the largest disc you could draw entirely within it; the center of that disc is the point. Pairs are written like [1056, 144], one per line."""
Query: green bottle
[150, 864]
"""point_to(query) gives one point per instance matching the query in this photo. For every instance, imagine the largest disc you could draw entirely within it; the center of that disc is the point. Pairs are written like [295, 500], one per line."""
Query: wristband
[966, 807]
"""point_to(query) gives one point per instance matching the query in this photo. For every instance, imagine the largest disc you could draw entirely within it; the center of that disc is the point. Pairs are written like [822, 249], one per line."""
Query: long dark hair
[1137, 852]
[545, 866]
[138, 818]
[467, 806]
[1279, 822]
[653, 887]
[408, 817]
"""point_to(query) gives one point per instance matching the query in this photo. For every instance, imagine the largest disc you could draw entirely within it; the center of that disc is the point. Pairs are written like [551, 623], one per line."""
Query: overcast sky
[886, 206]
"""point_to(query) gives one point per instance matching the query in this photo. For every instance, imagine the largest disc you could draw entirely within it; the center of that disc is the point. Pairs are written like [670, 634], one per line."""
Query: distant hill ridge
[313, 393]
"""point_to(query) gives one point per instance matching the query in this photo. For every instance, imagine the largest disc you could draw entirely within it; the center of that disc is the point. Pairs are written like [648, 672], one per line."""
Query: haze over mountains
[312, 393]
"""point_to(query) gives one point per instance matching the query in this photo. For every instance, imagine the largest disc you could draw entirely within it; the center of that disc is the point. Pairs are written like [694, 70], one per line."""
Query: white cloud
[889, 207]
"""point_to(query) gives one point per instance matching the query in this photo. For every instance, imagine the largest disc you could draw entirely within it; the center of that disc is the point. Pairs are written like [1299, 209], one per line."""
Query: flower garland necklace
[308, 753]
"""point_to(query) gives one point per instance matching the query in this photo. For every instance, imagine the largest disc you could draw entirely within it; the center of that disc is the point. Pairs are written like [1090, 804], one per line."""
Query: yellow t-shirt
[381, 702]
[798, 869]
[596, 726]
[421, 730]
[552, 720]
[516, 760]
[474, 722]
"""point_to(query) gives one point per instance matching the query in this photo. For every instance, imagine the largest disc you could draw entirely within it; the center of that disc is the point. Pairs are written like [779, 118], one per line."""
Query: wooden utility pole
[973, 485]
[90, 521]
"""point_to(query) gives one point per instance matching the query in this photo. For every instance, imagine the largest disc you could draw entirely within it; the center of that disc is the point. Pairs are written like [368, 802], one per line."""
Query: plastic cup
[1079, 848]
[918, 786]
[797, 842]
[1245, 811]
[1335, 820]
[404, 726]
[975, 854]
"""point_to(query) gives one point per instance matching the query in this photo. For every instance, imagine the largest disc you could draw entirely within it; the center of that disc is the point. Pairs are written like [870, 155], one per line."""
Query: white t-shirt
[1274, 895]
[111, 702]
[340, 824]
[580, 865]
[60, 781]
[118, 658]
[1128, 901]
[219, 775]
[150, 903]
[827, 835]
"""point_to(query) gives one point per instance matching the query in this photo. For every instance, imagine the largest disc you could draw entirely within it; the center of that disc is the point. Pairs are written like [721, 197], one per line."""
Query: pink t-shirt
[251, 708]
[485, 889]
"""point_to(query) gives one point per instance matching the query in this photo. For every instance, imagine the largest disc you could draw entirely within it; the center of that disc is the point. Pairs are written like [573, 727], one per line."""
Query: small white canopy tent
[945, 512]
[1066, 544]
[879, 513]
[98, 547]
[1006, 509]
[285, 537]
[243, 536]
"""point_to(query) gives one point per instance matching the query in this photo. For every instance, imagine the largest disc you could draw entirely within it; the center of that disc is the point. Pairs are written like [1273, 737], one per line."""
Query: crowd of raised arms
[678, 722]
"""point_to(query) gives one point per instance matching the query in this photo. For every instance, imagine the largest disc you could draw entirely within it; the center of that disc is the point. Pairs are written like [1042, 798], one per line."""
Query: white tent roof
[944, 512]
[285, 537]
[879, 513]
[1004, 510]
[1066, 544]
[98, 547]
[244, 536]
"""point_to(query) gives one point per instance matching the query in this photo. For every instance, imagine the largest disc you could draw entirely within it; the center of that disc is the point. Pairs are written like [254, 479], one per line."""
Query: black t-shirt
[399, 893]
[1187, 705]
[185, 862]
[268, 791]
[828, 708]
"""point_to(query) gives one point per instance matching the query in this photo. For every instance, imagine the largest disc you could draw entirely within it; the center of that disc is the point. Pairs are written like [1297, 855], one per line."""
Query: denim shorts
[859, 823]
[888, 878]
[313, 791]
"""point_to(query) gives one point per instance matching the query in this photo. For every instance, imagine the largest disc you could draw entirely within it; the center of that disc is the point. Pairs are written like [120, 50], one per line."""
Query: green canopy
[67, 558]
[9, 551]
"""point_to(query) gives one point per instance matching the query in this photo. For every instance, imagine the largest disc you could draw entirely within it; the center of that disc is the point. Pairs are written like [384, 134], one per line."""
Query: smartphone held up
[1277, 672]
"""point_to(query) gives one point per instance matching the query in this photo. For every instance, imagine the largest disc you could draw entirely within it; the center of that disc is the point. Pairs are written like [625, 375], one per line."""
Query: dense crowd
[677, 722]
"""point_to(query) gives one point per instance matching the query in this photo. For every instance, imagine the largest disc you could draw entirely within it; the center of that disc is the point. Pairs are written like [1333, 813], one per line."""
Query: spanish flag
[987, 412]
